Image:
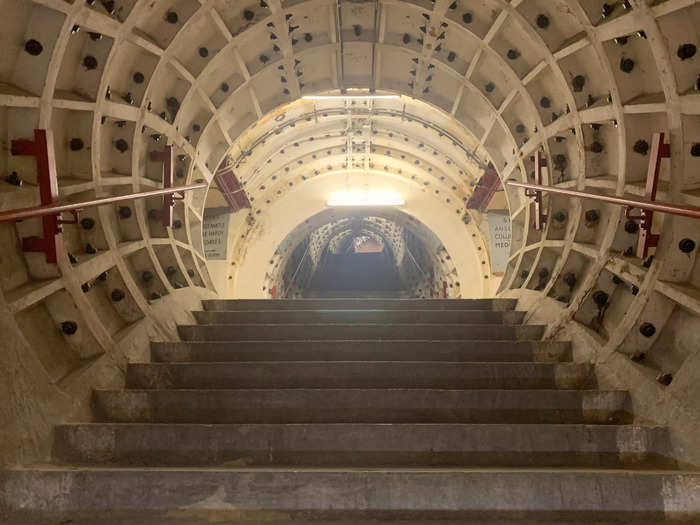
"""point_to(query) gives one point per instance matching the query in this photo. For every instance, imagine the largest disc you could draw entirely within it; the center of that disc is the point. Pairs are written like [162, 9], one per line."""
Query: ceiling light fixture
[351, 96]
[366, 198]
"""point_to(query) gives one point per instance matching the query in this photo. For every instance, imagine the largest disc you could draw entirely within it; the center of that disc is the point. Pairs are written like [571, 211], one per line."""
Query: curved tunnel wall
[586, 82]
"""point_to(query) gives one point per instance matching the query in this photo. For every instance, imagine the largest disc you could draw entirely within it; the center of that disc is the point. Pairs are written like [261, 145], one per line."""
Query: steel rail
[58, 208]
[658, 206]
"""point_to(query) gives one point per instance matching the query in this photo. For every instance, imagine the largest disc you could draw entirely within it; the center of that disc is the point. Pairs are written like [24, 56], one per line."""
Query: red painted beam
[231, 188]
[486, 188]
[166, 157]
[42, 148]
[646, 239]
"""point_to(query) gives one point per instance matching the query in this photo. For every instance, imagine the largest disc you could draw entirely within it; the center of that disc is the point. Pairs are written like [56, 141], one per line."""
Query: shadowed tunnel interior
[364, 250]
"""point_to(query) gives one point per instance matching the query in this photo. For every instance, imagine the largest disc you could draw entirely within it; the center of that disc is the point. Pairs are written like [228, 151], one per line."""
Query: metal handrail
[658, 206]
[294, 275]
[408, 250]
[58, 208]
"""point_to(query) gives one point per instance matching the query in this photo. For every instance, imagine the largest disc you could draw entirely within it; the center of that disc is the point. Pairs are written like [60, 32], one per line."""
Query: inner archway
[291, 163]
[363, 250]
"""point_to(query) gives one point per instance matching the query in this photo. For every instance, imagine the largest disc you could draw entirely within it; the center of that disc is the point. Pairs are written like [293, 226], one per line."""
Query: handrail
[408, 250]
[58, 208]
[659, 206]
[294, 276]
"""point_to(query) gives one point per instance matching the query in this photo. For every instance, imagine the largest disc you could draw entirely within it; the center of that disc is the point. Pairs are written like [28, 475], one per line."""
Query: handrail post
[540, 216]
[42, 148]
[648, 206]
[646, 240]
[166, 157]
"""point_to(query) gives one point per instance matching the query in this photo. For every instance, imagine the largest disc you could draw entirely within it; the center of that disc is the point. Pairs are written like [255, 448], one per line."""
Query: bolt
[69, 327]
[90, 62]
[33, 47]
[647, 329]
[665, 378]
[626, 65]
[578, 82]
[121, 145]
[592, 215]
[687, 51]
[641, 147]
[14, 179]
[686, 245]
[597, 147]
[117, 295]
[631, 227]
[600, 298]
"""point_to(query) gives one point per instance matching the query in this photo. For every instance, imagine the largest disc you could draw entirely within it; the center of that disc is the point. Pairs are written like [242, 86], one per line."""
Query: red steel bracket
[230, 187]
[43, 149]
[646, 240]
[486, 188]
[166, 157]
[536, 195]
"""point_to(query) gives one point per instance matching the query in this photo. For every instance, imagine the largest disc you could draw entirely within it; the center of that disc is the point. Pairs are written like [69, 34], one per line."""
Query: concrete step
[197, 496]
[360, 304]
[358, 374]
[372, 350]
[364, 445]
[360, 316]
[303, 332]
[362, 406]
[357, 294]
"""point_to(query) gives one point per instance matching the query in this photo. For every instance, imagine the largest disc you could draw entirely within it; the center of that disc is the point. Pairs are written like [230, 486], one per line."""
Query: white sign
[215, 236]
[499, 228]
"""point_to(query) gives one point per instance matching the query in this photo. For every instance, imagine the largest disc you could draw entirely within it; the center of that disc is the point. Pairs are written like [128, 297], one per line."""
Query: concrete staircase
[351, 410]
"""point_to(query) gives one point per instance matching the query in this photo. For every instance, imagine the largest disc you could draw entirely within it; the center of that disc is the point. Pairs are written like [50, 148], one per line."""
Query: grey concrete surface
[364, 350]
[361, 444]
[268, 494]
[358, 374]
[362, 405]
[360, 304]
[308, 331]
[239, 431]
[428, 316]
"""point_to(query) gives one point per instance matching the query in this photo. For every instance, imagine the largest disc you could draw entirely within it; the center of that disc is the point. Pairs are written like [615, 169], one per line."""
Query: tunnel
[350, 150]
